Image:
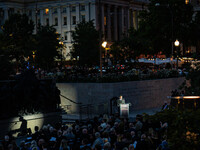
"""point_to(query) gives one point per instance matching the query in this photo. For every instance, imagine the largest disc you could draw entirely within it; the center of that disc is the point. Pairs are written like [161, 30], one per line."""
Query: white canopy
[157, 61]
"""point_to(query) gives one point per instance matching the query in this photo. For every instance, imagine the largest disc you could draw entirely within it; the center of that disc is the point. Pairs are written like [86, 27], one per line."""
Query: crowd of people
[100, 133]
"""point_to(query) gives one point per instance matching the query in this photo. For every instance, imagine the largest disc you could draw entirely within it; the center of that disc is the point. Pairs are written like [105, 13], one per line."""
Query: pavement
[132, 115]
[150, 111]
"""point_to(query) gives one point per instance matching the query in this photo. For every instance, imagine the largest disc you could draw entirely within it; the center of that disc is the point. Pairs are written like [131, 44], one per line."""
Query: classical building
[112, 17]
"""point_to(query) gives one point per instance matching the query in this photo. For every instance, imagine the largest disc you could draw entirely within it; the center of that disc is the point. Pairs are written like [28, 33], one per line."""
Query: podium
[124, 110]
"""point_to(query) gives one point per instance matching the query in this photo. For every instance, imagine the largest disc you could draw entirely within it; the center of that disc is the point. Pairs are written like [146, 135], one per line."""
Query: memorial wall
[144, 94]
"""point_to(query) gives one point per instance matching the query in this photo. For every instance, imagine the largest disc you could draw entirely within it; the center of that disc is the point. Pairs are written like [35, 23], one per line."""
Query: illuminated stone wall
[141, 94]
[16, 125]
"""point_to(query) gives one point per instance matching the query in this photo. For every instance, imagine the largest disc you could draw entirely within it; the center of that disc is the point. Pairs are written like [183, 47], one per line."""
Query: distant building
[113, 17]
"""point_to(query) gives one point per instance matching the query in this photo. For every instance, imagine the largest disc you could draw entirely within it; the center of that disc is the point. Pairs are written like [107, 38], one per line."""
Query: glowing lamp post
[177, 43]
[61, 43]
[104, 46]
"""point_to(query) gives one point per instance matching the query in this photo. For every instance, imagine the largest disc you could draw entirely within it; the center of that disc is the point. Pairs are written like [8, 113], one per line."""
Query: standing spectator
[85, 145]
[6, 141]
[165, 106]
[64, 145]
[69, 134]
[107, 146]
[84, 134]
[98, 140]
[142, 144]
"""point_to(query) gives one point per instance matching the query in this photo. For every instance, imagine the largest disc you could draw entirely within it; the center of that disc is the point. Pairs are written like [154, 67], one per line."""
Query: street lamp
[103, 45]
[61, 44]
[177, 43]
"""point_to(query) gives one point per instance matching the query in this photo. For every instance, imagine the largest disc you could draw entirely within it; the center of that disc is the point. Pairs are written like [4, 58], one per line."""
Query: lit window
[73, 20]
[11, 11]
[46, 11]
[65, 35]
[55, 11]
[38, 12]
[1, 12]
[38, 21]
[30, 12]
[73, 8]
[198, 2]
[65, 21]
[105, 21]
[47, 21]
[187, 1]
[64, 10]
[56, 21]
[82, 7]
[82, 17]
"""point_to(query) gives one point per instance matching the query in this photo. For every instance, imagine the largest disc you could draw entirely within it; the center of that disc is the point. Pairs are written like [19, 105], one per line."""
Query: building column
[59, 21]
[135, 19]
[131, 18]
[87, 11]
[97, 15]
[93, 12]
[68, 23]
[5, 14]
[77, 13]
[108, 23]
[34, 19]
[15, 10]
[42, 17]
[102, 20]
[128, 19]
[50, 17]
[115, 23]
[121, 22]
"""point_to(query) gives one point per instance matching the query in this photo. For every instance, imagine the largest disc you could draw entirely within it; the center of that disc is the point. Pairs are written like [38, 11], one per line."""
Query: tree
[47, 47]
[195, 32]
[129, 48]
[17, 37]
[183, 128]
[118, 55]
[164, 22]
[86, 44]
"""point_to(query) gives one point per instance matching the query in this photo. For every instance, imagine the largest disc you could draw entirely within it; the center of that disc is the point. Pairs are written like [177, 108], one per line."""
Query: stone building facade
[113, 17]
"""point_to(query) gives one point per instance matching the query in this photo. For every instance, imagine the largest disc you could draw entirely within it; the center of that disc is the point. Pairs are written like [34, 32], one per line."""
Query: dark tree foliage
[192, 84]
[47, 47]
[5, 65]
[195, 32]
[27, 94]
[86, 44]
[6, 68]
[117, 53]
[183, 128]
[129, 48]
[17, 37]
[164, 22]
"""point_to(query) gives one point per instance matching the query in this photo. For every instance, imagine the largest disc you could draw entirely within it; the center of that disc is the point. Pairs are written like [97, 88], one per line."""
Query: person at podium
[121, 100]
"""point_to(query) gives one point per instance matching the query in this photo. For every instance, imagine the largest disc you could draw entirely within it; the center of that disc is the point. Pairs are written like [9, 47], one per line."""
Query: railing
[87, 110]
